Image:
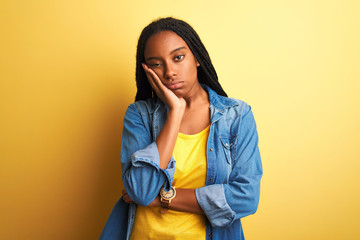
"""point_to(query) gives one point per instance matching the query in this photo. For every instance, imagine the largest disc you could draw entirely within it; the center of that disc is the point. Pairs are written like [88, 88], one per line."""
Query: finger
[152, 83]
[150, 76]
[153, 79]
[127, 199]
[124, 191]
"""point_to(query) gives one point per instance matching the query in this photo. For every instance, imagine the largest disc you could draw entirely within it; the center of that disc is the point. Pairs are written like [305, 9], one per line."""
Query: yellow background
[67, 75]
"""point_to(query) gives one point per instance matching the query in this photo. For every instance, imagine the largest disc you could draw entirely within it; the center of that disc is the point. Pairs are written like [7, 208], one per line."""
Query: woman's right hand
[126, 197]
[165, 94]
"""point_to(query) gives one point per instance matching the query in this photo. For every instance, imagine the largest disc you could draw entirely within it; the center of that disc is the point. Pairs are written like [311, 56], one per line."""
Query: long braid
[206, 70]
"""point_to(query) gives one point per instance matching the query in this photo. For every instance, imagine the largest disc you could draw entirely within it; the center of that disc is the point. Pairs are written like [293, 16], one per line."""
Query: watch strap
[164, 203]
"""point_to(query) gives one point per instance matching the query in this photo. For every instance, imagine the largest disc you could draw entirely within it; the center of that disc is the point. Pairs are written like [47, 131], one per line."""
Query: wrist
[166, 197]
[178, 105]
[156, 202]
[179, 110]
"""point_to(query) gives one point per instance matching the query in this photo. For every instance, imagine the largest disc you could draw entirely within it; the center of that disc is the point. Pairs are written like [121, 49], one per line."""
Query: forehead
[163, 43]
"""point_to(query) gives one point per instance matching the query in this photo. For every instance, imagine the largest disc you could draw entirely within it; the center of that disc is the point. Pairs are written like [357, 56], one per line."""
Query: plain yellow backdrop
[67, 74]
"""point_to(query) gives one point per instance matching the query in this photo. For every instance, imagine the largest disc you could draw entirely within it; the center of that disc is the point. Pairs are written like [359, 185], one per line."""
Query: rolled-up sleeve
[140, 161]
[213, 202]
[239, 197]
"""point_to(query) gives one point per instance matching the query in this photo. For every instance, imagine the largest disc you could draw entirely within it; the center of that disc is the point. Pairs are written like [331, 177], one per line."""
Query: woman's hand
[165, 94]
[126, 197]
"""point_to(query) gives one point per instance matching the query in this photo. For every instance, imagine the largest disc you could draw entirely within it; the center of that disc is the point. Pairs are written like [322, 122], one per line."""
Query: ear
[197, 63]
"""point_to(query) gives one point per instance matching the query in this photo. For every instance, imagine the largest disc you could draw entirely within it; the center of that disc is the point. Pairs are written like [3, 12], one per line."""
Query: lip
[174, 85]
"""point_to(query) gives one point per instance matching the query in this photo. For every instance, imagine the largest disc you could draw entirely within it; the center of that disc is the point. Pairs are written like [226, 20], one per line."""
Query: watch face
[167, 195]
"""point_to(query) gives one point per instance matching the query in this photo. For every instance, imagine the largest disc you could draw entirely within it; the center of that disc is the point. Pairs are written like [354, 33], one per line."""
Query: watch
[167, 197]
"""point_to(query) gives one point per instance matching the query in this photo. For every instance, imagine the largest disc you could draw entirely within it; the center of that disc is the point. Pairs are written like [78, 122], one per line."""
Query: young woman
[190, 160]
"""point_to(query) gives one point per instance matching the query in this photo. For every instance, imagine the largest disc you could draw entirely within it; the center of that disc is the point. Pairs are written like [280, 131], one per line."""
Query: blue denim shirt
[233, 174]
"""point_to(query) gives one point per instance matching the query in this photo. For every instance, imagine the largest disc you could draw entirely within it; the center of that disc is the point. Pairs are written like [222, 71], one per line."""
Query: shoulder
[240, 106]
[234, 107]
[227, 105]
[243, 108]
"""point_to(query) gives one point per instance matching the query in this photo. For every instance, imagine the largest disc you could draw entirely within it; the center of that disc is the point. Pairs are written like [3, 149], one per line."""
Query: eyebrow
[176, 49]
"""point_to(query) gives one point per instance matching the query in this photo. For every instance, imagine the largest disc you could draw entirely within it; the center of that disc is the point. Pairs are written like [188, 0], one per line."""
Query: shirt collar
[219, 102]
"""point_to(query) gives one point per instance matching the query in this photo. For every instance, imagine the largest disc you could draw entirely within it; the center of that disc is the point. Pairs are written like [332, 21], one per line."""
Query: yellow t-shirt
[190, 172]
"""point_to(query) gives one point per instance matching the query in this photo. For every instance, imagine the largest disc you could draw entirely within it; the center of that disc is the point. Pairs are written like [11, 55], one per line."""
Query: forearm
[167, 138]
[185, 201]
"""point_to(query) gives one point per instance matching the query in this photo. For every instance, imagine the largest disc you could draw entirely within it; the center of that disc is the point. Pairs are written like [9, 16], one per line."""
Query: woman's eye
[154, 64]
[178, 58]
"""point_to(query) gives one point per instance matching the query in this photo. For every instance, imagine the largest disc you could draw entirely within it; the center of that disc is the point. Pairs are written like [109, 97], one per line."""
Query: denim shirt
[233, 173]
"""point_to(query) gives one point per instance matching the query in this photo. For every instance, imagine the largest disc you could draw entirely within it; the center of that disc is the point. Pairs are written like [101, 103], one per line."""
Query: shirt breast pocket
[228, 144]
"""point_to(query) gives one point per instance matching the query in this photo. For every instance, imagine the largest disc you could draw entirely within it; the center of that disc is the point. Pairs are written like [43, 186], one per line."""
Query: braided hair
[206, 71]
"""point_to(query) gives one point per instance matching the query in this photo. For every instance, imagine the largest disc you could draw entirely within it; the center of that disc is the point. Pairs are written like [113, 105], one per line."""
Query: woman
[190, 160]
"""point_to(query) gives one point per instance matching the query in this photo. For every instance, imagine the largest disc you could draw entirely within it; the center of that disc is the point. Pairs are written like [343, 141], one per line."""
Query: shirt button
[210, 149]
[226, 144]
[210, 179]
[156, 127]
[210, 235]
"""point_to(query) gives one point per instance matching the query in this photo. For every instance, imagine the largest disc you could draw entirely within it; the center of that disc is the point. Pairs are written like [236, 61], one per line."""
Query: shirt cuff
[213, 202]
[150, 156]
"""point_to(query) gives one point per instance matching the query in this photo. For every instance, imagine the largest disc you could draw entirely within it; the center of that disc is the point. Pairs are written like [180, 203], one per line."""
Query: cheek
[192, 71]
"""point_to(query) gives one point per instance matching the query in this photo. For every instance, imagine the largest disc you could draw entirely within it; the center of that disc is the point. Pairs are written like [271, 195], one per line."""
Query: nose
[169, 71]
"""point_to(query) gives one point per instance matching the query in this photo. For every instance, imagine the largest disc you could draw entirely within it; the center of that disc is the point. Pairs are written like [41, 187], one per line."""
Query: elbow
[253, 209]
[250, 207]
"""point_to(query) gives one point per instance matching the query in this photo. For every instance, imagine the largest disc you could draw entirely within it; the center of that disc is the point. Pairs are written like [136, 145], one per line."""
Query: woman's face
[168, 55]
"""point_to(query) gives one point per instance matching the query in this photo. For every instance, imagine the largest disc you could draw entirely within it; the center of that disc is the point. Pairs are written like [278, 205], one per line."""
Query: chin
[180, 93]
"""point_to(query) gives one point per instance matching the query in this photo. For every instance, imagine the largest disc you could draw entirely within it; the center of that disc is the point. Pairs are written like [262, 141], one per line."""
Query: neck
[197, 96]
